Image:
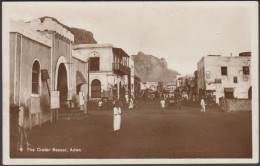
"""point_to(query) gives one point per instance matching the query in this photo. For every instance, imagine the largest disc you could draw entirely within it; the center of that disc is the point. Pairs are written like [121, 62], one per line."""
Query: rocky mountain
[81, 36]
[151, 68]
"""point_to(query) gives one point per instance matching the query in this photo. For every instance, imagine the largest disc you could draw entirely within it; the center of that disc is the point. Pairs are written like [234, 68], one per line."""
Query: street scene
[146, 133]
[167, 81]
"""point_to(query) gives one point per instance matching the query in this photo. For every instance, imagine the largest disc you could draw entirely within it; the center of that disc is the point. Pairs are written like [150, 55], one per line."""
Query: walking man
[202, 104]
[22, 139]
[117, 118]
[162, 105]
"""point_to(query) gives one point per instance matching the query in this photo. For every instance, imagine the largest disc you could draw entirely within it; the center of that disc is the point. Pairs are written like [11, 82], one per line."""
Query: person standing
[202, 104]
[131, 103]
[162, 105]
[22, 134]
[100, 105]
[126, 99]
[117, 118]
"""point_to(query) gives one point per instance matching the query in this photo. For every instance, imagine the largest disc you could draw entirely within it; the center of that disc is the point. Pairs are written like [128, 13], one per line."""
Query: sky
[180, 32]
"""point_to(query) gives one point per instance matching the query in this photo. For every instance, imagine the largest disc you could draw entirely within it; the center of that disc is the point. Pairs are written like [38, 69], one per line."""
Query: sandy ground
[146, 133]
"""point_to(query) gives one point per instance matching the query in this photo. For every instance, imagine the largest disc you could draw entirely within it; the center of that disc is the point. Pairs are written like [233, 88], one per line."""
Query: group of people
[127, 103]
[117, 112]
[202, 104]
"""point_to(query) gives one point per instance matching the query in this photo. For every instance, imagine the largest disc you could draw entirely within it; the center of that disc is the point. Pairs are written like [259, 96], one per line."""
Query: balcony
[120, 69]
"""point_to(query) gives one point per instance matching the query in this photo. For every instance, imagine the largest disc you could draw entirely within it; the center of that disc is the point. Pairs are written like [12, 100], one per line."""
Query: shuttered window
[223, 70]
[94, 64]
[95, 89]
[246, 70]
[35, 77]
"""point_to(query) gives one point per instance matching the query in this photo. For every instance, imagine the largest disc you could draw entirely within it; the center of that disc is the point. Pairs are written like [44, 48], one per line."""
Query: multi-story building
[108, 69]
[171, 86]
[225, 76]
[183, 80]
[152, 85]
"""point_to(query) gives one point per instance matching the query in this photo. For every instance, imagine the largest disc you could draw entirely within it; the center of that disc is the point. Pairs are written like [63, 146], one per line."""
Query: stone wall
[231, 105]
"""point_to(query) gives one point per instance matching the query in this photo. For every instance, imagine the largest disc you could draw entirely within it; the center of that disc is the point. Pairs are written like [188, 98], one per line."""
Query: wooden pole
[88, 89]
[48, 88]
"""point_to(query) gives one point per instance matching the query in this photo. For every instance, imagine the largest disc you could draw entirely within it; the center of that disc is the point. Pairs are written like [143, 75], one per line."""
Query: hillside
[151, 68]
[81, 36]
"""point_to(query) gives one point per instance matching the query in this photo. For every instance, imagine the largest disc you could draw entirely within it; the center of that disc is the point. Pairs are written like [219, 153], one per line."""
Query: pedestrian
[22, 136]
[131, 103]
[179, 102]
[126, 99]
[117, 118]
[99, 105]
[202, 104]
[162, 105]
[114, 102]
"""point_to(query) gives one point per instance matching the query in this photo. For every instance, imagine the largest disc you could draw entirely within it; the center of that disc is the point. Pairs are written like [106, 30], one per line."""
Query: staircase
[71, 114]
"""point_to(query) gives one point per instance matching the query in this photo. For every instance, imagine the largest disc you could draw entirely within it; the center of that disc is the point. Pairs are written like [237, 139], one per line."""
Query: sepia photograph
[130, 82]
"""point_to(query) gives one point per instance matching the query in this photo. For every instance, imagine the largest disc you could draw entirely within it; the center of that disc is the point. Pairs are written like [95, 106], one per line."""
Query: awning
[119, 52]
[80, 78]
[229, 89]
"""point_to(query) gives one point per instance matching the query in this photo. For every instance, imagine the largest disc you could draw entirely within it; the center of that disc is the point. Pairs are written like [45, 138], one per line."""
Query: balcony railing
[120, 69]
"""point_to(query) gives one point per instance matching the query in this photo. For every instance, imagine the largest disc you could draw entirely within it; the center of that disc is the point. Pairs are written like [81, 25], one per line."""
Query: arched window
[95, 89]
[35, 77]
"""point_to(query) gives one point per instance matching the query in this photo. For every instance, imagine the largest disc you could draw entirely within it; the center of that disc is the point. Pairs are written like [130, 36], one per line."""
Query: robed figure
[117, 118]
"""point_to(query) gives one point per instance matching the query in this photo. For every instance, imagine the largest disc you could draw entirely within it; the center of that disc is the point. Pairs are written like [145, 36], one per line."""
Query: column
[118, 88]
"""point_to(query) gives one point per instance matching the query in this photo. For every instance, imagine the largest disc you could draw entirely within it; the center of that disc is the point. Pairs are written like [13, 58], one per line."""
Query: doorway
[229, 93]
[250, 93]
[96, 89]
[62, 85]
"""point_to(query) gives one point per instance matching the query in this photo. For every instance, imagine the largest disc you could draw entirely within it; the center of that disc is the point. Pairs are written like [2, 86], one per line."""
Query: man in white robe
[162, 102]
[131, 104]
[117, 118]
[202, 104]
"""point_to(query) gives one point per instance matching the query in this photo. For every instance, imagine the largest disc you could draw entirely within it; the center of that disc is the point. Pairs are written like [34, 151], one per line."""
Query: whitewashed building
[108, 69]
[225, 76]
[171, 86]
[149, 85]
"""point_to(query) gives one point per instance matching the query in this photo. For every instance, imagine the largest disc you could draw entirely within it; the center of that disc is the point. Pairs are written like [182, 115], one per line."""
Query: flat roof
[78, 46]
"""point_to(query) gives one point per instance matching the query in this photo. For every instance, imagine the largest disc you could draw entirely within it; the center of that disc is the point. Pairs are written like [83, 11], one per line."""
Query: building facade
[149, 85]
[41, 62]
[224, 76]
[108, 70]
[171, 86]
